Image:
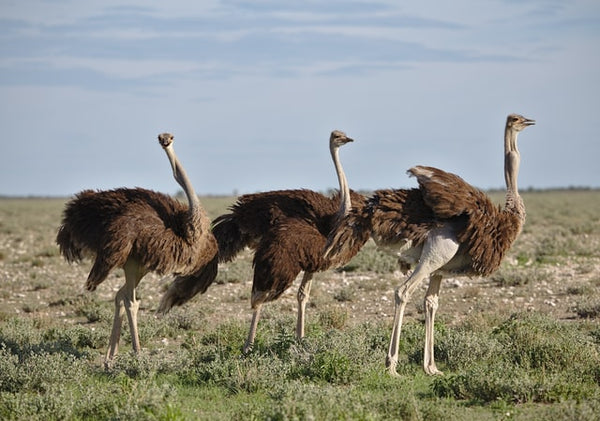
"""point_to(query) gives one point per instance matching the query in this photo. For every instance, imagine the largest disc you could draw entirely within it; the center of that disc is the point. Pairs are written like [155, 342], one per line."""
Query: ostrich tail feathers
[184, 288]
[346, 239]
[69, 249]
[229, 236]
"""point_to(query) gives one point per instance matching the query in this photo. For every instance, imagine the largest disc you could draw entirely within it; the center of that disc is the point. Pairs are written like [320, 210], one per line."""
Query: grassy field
[522, 344]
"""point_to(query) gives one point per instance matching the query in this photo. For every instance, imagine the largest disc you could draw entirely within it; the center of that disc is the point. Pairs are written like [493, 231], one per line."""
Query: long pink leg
[401, 295]
[253, 326]
[115, 335]
[303, 294]
[431, 305]
[133, 274]
[126, 303]
[439, 248]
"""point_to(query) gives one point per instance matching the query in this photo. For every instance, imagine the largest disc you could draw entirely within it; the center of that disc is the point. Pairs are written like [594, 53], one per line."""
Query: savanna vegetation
[522, 344]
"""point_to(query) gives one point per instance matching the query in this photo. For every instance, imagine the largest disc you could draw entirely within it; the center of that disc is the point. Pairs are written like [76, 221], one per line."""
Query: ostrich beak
[529, 122]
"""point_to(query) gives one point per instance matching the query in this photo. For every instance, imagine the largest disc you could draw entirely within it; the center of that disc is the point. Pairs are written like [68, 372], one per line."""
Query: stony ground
[35, 282]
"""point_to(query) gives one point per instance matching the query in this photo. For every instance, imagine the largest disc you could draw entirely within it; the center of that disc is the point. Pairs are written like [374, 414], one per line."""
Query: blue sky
[252, 89]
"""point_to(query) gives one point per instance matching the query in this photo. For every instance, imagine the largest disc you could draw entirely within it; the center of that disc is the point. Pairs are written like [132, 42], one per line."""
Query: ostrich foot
[108, 364]
[393, 372]
[432, 370]
[248, 347]
[390, 365]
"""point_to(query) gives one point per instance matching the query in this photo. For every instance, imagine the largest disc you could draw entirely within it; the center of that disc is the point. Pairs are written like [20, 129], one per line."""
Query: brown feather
[401, 215]
[488, 235]
[185, 287]
[395, 216]
[150, 227]
[290, 247]
[489, 231]
[446, 194]
[390, 216]
[288, 229]
[263, 222]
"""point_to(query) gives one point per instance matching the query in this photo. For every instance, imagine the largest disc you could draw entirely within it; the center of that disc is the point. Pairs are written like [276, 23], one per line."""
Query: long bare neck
[512, 160]
[182, 179]
[345, 202]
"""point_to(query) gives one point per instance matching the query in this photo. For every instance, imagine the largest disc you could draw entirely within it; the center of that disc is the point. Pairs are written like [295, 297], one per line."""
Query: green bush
[537, 341]
[75, 337]
[36, 371]
[530, 358]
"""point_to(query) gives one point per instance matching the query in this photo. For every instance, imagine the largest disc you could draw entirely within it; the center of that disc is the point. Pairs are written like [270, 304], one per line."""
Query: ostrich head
[338, 138]
[517, 122]
[165, 139]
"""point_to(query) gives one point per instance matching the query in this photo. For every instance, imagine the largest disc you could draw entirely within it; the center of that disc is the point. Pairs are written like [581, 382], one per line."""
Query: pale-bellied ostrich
[288, 231]
[140, 231]
[446, 227]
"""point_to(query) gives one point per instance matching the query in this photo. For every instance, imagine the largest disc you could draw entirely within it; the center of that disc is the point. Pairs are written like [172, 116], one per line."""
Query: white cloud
[414, 83]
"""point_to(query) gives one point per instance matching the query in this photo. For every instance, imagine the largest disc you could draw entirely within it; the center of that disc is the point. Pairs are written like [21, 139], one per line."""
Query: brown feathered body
[155, 230]
[287, 229]
[400, 220]
[294, 240]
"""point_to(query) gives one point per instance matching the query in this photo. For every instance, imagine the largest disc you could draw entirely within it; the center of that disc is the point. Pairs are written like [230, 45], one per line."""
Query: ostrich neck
[345, 202]
[512, 159]
[182, 179]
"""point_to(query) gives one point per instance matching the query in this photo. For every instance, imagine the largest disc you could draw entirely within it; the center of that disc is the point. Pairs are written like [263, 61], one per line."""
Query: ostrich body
[287, 229]
[446, 227]
[140, 231]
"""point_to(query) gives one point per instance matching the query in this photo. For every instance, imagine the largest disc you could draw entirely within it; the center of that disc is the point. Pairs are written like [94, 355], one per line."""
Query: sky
[251, 89]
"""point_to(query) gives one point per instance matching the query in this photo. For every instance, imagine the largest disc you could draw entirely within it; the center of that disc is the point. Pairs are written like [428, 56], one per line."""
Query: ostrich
[140, 231]
[287, 229]
[445, 227]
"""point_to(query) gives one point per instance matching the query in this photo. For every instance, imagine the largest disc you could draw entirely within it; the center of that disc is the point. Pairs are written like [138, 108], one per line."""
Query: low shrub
[588, 307]
[530, 358]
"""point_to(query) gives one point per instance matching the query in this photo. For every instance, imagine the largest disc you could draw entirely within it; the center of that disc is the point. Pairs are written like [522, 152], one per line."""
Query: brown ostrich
[446, 227]
[140, 231]
[287, 229]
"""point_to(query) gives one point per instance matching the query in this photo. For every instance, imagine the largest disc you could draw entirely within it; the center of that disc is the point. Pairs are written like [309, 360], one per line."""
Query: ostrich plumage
[140, 231]
[287, 229]
[446, 227]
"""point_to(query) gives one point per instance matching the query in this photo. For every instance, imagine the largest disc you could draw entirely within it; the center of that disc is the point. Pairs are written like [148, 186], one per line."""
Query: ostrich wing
[488, 231]
[445, 193]
[259, 211]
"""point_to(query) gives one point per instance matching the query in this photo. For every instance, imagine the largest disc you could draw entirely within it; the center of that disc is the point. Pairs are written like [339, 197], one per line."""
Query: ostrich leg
[431, 305]
[303, 294]
[126, 303]
[115, 335]
[401, 295]
[253, 326]
[439, 248]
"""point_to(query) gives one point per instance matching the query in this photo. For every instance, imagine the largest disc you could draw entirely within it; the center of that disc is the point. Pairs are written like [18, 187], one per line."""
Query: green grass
[501, 358]
[519, 366]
